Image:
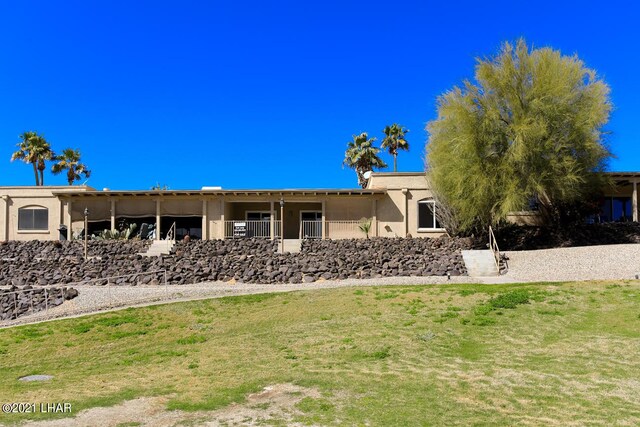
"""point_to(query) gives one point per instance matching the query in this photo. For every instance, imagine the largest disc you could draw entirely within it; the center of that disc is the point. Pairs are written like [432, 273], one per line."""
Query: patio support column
[223, 226]
[272, 221]
[323, 225]
[158, 231]
[405, 213]
[113, 214]
[69, 221]
[374, 218]
[634, 200]
[205, 221]
[5, 225]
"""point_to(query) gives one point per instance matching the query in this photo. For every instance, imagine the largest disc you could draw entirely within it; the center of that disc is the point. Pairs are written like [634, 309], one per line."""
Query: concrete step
[291, 246]
[160, 247]
[480, 263]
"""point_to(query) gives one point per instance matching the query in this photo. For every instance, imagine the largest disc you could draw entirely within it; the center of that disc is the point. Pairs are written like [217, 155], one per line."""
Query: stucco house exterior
[397, 204]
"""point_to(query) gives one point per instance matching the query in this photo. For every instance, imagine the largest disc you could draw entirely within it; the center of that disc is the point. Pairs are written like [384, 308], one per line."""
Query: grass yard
[559, 354]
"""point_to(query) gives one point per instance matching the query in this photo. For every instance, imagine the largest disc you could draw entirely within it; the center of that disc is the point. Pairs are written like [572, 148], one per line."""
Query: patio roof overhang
[219, 193]
[624, 178]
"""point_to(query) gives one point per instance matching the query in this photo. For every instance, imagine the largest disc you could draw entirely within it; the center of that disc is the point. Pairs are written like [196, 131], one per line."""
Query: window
[427, 215]
[258, 216]
[33, 218]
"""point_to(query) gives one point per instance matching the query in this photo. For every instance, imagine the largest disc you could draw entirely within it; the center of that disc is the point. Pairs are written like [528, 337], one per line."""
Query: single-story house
[397, 204]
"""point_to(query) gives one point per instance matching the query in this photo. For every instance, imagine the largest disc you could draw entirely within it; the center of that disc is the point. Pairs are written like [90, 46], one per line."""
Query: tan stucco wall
[525, 218]
[14, 198]
[390, 180]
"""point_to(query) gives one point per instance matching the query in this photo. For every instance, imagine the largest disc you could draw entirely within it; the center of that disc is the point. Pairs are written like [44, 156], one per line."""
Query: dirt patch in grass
[276, 402]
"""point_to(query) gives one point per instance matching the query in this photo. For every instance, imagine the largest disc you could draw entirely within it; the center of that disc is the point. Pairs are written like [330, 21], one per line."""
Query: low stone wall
[250, 261]
[16, 302]
[54, 250]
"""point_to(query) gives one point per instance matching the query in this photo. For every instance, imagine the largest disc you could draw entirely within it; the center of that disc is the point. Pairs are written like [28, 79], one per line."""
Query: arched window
[427, 215]
[33, 218]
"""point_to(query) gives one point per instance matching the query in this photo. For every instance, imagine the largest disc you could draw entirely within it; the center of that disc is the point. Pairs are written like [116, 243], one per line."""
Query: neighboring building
[398, 204]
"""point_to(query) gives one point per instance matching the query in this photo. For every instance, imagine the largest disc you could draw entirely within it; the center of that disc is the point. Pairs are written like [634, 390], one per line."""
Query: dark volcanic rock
[246, 260]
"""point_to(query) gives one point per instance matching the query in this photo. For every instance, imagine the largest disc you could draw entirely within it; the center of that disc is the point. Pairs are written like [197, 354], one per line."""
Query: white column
[634, 200]
[323, 226]
[405, 191]
[158, 219]
[223, 225]
[113, 214]
[205, 221]
[5, 223]
[69, 221]
[374, 218]
[272, 221]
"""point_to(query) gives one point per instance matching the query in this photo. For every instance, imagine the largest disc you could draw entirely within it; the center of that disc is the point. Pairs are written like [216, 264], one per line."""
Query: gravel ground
[573, 264]
[564, 264]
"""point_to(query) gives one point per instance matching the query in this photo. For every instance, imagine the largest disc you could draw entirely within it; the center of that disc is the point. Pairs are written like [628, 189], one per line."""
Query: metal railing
[493, 246]
[171, 234]
[250, 228]
[239, 228]
[28, 303]
[311, 229]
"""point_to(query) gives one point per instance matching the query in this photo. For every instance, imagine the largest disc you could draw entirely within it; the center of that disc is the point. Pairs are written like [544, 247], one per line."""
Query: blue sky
[249, 94]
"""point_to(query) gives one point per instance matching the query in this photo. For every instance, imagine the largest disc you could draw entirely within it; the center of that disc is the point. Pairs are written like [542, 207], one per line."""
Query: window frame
[32, 226]
[435, 226]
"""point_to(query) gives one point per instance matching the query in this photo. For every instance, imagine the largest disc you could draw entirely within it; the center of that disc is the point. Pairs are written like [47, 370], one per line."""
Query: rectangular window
[258, 216]
[427, 215]
[33, 219]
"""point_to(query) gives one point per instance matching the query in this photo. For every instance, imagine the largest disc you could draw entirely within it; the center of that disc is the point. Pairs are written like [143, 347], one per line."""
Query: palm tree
[69, 160]
[44, 153]
[362, 156]
[33, 149]
[395, 141]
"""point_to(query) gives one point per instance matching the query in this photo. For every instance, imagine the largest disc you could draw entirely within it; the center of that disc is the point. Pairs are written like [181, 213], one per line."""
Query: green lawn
[535, 354]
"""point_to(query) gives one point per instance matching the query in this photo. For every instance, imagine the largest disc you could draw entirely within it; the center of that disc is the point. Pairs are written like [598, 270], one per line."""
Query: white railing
[171, 234]
[311, 230]
[250, 228]
[343, 230]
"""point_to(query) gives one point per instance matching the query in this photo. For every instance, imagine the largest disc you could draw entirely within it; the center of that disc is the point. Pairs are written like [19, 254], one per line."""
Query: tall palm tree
[362, 156]
[394, 141]
[33, 149]
[69, 160]
[44, 153]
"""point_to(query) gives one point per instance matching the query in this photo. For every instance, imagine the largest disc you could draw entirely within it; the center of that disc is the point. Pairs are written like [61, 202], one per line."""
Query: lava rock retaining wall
[244, 260]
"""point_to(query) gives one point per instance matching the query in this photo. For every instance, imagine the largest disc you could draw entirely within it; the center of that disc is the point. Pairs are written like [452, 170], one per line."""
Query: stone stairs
[160, 247]
[291, 245]
[480, 263]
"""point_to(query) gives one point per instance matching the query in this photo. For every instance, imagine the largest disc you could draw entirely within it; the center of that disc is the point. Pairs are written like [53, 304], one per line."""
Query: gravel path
[573, 264]
[564, 264]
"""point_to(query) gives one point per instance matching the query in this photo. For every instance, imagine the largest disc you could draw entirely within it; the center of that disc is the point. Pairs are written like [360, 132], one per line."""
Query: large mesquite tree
[529, 128]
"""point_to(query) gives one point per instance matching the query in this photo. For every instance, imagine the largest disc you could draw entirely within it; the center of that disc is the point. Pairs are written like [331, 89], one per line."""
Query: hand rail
[171, 234]
[493, 245]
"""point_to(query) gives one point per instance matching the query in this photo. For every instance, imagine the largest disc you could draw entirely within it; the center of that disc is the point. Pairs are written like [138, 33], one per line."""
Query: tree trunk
[395, 162]
[71, 175]
[41, 177]
[35, 172]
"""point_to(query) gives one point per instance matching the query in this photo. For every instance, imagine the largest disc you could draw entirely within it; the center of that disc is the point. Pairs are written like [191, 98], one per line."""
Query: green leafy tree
[529, 128]
[395, 141]
[362, 156]
[69, 160]
[34, 149]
